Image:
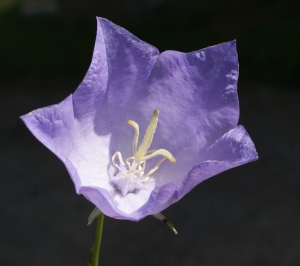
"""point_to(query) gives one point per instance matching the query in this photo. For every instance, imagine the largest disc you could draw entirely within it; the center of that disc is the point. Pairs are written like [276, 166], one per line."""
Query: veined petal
[122, 57]
[197, 96]
[202, 87]
[130, 62]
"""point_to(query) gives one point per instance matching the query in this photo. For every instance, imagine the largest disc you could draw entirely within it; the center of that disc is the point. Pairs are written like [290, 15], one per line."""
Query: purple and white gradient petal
[196, 94]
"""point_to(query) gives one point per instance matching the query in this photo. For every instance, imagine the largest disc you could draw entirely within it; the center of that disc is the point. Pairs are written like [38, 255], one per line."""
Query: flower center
[131, 175]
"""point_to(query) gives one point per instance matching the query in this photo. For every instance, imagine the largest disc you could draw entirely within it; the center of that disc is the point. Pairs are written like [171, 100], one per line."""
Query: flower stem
[94, 255]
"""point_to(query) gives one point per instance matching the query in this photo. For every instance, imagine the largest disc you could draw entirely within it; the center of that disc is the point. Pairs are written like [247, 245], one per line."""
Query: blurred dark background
[245, 216]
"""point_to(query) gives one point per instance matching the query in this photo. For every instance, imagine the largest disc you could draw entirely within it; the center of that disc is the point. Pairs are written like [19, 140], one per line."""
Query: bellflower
[143, 128]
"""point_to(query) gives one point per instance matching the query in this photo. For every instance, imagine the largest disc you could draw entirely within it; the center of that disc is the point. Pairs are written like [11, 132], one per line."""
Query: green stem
[94, 255]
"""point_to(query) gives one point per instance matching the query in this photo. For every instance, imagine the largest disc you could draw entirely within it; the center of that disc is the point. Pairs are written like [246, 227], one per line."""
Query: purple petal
[197, 97]
[108, 103]
[92, 89]
[161, 198]
[234, 148]
[56, 127]
[128, 63]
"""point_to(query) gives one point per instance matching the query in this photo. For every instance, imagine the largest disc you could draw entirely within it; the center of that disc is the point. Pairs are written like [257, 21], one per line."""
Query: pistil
[136, 164]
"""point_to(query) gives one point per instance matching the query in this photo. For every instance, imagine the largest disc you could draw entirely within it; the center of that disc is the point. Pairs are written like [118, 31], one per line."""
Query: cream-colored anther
[148, 137]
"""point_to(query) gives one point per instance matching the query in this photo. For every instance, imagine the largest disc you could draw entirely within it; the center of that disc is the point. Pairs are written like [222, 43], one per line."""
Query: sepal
[94, 214]
[164, 219]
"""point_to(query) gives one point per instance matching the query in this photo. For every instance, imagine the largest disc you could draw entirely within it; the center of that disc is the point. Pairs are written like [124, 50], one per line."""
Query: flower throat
[132, 175]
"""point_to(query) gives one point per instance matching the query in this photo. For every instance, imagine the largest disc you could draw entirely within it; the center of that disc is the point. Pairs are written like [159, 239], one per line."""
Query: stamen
[132, 174]
[119, 155]
[142, 166]
[136, 135]
[128, 161]
[148, 136]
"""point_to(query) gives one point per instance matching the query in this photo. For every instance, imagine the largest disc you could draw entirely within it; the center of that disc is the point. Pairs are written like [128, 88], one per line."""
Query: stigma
[131, 175]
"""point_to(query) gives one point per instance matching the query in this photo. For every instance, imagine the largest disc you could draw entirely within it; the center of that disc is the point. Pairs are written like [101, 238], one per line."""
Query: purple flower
[113, 115]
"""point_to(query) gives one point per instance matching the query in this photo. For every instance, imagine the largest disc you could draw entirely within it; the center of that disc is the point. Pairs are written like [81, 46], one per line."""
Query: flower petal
[92, 89]
[108, 103]
[130, 62]
[123, 57]
[56, 127]
[117, 206]
[197, 97]
[234, 148]
[161, 198]
[127, 61]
